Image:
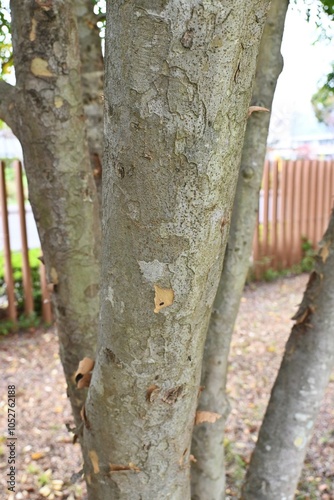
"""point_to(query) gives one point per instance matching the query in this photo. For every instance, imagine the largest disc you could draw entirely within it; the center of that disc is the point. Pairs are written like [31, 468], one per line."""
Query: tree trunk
[287, 427]
[46, 113]
[92, 83]
[208, 479]
[178, 85]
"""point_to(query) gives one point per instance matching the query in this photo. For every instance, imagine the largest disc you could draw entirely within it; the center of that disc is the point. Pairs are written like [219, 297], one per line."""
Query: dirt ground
[46, 459]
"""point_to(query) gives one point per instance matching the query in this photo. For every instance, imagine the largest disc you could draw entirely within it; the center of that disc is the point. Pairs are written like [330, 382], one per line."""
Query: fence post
[12, 313]
[26, 272]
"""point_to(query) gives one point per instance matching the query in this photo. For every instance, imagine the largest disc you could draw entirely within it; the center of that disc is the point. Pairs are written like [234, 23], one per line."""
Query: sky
[306, 62]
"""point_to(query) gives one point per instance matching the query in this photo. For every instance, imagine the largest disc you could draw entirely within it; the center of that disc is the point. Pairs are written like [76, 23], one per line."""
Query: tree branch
[9, 105]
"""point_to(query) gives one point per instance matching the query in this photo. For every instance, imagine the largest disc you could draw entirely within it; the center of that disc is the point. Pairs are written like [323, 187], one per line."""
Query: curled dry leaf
[251, 109]
[164, 297]
[324, 252]
[206, 416]
[119, 467]
[84, 417]
[83, 374]
[192, 459]
[95, 461]
[152, 393]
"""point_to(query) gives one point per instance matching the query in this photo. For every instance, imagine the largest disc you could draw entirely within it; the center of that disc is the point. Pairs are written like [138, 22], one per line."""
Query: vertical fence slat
[12, 314]
[312, 232]
[274, 205]
[305, 198]
[27, 284]
[297, 209]
[265, 229]
[289, 210]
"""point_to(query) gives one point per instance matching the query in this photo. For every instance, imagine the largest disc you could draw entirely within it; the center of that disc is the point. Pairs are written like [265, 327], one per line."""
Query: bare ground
[46, 458]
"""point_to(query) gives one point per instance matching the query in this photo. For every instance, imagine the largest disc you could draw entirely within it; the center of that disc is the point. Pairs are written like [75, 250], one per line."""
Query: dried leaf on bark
[164, 297]
[95, 461]
[84, 417]
[324, 251]
[119, 467]
[206, 416]
[152, 393]
[251, 109]
[83, 374]
[54, 276]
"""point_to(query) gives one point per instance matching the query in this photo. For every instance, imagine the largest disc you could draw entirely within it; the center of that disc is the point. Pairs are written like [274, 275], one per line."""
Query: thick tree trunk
[92, 83]
[208, 479]
[279, 454]
[178, 86]
[46, 113]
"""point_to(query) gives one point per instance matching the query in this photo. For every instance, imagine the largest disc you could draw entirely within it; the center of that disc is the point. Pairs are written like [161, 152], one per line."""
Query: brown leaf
[206, 416]
[84, 381]
[83, 374]
[119, 467]
[152, 393]
[84, 417]
[164, 297]
[37, 455]
[95, 461]
[324, 251]
[192, 458]
[251, 109]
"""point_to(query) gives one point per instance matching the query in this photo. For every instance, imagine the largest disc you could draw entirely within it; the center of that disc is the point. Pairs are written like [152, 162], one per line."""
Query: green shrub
[18, 280]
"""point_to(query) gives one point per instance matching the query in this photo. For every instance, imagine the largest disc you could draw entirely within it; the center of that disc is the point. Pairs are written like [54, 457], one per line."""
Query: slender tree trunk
[46, 113]
[92, 83]
[308, 360]
[178, 86]
[208, 478]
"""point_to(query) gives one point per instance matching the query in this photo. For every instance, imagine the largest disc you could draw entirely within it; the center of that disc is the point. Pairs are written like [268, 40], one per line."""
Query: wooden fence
[294, 204]
[26, 271]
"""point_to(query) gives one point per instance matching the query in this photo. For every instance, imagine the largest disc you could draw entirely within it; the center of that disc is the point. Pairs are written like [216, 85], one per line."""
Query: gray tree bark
[208, 477]
[178, 85]
[45, 111]
[308, 360]
[92, 70]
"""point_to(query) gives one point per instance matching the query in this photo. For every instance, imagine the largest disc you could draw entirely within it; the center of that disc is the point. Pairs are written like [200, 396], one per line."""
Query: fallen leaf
[251, 109]
[37, 455]
[206, 416]
[95, 461]
[164, 297]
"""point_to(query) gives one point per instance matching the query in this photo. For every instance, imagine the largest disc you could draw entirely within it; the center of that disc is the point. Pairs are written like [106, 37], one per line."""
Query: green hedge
[18, 279]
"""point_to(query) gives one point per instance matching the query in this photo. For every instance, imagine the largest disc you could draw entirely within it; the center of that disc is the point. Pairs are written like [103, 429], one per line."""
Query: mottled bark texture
[45, 112]
[178, 85]
[308, 361]
[208, 477]
[92, 71]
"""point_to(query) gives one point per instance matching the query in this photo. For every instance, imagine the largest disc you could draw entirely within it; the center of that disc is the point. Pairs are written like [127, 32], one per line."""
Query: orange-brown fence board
[295, 204]
[26, 271]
